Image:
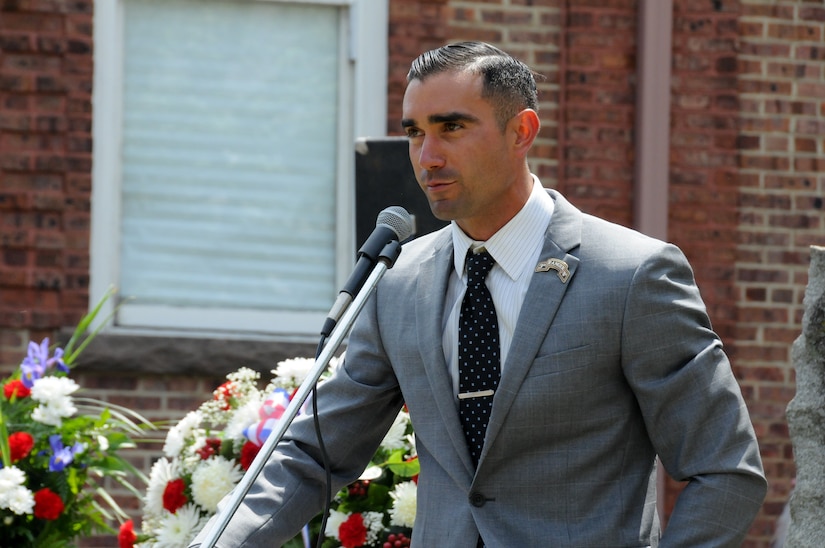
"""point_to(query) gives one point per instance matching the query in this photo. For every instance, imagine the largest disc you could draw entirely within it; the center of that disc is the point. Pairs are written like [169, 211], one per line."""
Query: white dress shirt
[515, 248]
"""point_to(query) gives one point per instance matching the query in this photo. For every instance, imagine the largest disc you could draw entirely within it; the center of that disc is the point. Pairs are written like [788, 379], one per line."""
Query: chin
[441, 212]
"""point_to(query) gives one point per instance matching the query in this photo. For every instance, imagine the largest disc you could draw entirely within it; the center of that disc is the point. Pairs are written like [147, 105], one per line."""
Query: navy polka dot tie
[478, 353]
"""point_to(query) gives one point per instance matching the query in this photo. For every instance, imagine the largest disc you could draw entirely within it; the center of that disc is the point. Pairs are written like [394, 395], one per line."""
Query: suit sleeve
[692, 405]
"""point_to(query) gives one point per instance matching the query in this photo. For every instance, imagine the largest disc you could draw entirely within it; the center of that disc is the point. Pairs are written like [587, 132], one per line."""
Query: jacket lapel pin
[555, 264]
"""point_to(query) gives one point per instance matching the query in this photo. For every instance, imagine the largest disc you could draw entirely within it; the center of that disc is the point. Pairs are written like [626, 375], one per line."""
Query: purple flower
[37, 361]
[62, 456]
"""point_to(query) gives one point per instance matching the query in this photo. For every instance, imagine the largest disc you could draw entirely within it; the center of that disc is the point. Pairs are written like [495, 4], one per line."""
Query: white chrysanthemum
[244, 416]
[13, 495]
[292, 372]
[53, 395]
[49, 388]
[53, 415]
[177, 435]
[213, 480]
[404, 498]
[163, 471]
[10, 478]
[334, 521]
[19, 500]
[395, 438]
[176, 530]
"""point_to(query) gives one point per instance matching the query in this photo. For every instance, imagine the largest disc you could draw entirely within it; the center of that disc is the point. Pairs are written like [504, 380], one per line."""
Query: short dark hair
[508, 83]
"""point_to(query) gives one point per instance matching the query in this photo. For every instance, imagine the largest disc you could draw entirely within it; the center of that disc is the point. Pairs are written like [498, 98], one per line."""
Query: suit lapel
[541, 302]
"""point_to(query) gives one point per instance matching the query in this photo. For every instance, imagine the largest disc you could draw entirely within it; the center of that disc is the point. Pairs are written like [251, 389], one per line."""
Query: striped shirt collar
[524, 231]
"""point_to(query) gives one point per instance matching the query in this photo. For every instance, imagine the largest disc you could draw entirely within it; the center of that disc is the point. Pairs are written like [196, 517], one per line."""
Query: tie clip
[478, 394]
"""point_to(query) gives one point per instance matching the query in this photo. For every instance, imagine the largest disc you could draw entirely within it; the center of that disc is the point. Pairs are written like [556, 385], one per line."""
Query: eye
[452, 126]
[413, 132]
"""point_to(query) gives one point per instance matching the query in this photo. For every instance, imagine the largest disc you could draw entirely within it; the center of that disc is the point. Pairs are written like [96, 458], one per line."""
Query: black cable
[324, 456]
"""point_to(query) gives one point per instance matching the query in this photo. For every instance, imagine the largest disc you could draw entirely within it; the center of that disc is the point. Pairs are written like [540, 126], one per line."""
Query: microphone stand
[385, 261]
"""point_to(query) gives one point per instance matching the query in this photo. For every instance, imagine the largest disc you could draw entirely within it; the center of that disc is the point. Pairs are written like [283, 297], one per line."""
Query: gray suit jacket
[608, 368]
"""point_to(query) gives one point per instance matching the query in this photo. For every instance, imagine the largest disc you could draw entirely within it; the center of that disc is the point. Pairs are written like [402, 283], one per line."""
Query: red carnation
[20, 444]
[248, 453]
[126, 537]
[211, 447]
[353, 533]
[16, 388]
[174, 496]
[47, 504]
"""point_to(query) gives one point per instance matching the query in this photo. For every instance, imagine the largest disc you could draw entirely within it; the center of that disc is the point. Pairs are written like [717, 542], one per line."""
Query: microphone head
[398, 220]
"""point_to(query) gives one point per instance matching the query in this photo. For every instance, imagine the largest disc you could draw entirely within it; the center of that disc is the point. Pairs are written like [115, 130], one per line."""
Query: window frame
[362, 107]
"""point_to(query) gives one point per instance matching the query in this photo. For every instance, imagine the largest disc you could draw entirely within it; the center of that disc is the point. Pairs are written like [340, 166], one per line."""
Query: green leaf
[5, 450]
[70, 354]
[400, 467]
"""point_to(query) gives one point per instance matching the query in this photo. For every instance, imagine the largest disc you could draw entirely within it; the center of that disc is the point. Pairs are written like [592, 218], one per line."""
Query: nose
[430, 154]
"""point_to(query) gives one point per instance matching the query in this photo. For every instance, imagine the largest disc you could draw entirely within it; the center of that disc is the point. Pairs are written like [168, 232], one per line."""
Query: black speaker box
[383, 178]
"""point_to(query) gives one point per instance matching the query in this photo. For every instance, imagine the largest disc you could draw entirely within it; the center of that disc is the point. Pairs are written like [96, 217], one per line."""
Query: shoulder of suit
[427, 243]
[615, 239]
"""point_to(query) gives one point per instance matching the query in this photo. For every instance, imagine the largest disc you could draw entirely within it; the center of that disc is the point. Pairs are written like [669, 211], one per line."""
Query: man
[599, 356]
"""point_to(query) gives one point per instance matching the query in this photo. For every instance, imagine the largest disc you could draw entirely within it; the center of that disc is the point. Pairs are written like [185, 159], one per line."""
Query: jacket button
[477, 499]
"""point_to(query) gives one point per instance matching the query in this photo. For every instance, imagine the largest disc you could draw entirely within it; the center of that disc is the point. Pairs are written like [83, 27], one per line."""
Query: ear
[525, 125]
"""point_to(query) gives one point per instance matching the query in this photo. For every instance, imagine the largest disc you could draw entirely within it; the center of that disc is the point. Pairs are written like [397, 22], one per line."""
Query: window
[224, 134]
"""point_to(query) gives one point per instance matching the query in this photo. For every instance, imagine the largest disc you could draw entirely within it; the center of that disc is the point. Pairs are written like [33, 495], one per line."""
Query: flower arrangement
[57, 449]
[207, 452]
[378, 510]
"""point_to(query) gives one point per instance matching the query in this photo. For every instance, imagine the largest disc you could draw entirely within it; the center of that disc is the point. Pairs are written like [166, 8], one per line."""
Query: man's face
[464, 162]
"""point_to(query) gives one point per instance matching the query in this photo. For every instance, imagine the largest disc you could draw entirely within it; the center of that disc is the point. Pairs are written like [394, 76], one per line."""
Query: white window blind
[229, 151]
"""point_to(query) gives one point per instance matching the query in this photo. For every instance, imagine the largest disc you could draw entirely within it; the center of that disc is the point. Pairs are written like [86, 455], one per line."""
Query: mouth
[436, 185]
[432, 182]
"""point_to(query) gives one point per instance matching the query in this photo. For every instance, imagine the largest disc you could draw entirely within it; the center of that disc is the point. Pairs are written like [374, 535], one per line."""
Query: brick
[810, 52]
[793, 70]
[808, 203]
[777, 144]
[796, 221]
[29, 63]
[780, 106]
[765, 162]
[808, 164]
[805, 145]
[811, 89]
[795, 32]
[15, 43]
[811, 13]
[769, 49]
[789, 182]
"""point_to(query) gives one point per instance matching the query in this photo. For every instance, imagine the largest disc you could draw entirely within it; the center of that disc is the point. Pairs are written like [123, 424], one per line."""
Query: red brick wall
[702, 217]
[45, 167]
[598, 60]
[781, 188]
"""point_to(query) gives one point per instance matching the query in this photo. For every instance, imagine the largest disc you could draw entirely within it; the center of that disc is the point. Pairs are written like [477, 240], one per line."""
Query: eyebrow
[442, 118]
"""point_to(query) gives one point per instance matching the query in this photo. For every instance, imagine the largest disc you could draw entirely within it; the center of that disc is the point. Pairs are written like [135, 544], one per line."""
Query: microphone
[394, 224]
